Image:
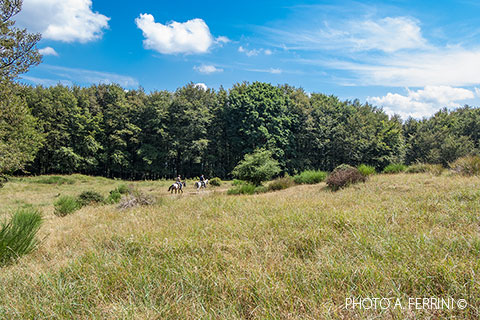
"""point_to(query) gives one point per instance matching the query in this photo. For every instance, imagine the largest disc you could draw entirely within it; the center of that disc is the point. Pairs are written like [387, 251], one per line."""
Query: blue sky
[410, 57]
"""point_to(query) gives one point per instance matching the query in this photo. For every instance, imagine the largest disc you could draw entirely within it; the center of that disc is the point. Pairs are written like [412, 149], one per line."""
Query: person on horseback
[202, 180]
[179, 181]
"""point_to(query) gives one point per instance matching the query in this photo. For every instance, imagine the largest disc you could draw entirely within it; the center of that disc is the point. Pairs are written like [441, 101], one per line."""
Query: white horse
[177, 187]
[200, 185]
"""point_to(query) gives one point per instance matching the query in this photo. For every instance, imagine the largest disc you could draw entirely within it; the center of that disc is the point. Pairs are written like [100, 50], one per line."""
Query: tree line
[106, 130]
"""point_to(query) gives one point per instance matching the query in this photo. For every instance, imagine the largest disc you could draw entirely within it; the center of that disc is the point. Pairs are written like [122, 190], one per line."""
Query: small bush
[216, 182]
[467, 166]
[366, 170]
[245, 188]
[343, 176]
[122, 189]
[66, 205]
[310, 177]
[135, 198]
[17, 237]
[113, 197]
[260, 189]
[237, 182]
[281, 183]
[257, 167]
[394, 168]
[90, 197]
[435, 169]
[54, 180]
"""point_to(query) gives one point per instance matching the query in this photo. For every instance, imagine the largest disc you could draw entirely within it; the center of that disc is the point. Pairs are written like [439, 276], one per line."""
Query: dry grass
[292, 254]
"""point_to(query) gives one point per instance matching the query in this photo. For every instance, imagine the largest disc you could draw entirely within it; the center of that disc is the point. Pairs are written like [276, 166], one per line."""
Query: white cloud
[201, 85]
[89, 76]
[271, 70]
[63, 20]
[435, 67]
[188, 37]
[389, 35]
[207, 69]
[48, 51]
[254, 52]
[423, 102]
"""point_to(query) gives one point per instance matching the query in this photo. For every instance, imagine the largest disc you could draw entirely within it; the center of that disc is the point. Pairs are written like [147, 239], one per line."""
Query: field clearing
[293, 254]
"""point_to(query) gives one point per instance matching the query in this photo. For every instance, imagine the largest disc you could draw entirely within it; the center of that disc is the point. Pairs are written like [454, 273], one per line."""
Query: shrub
[217, 182]
[260, 189]
[17, 237]
[435, 169]
[66, 205]
[54, 180]
[113, 197]
[89, 197]
[395, 168]
[135, 198]
[310, 177]
[257, 167]
[366, 170]
[245, 188]
[281, 183]
[343, 176]
[122, 189]
[467, 166]
[237, 182]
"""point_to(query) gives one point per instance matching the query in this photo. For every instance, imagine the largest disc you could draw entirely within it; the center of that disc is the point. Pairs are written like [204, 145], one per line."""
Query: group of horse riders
[179, 184]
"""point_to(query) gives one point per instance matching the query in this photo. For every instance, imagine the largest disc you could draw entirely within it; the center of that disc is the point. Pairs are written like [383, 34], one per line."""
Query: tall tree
[19, 140]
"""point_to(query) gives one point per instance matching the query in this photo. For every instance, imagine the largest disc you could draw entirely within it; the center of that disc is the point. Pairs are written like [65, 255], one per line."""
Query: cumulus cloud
[192, 36]
[423, 102]
[48, 51]
[63, 20]
[201, 85]
[207, 69]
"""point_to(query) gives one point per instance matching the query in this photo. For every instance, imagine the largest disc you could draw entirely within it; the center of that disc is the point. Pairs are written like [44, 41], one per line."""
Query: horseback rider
[179, 181]
[202, 180]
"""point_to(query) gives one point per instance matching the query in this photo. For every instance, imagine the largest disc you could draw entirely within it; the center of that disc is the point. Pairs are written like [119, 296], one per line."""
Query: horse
[177, 187]
[199, 184]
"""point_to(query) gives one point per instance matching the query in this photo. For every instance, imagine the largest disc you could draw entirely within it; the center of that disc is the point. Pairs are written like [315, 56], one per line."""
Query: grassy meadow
[297, 253]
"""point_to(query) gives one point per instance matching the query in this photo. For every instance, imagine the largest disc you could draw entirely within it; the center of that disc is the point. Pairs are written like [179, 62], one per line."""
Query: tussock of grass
[59, 180]
[394, 168]
[435, 169]
[17, 237]
[467, 166]
[366, 170]
[66, 205]
[281, 183]
[310, 177]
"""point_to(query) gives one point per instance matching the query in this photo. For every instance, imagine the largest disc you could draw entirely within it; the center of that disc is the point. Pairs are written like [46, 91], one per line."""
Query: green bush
[237, 182]
[66, 205]
[17, 237]
[260, 189]
[90, 197]
[257, 167]
[281, 183]
[343, 176]
[3, 180]
[216, 182]
[113, 197]
[122, 189]
[246, 188]
[435, 169]
[395, 168]
[366, 170]
[467, 166]
[54, 180]
[310, 177]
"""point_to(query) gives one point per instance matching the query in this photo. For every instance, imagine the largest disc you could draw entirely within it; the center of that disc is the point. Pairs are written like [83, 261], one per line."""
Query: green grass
[366, 170]
[66, 205]
[53, 180]
[394, 168]
[17, 236]
[310, 177]
[293, 254]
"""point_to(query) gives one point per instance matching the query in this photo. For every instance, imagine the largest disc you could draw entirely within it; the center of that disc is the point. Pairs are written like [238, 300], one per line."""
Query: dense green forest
[106, 130]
